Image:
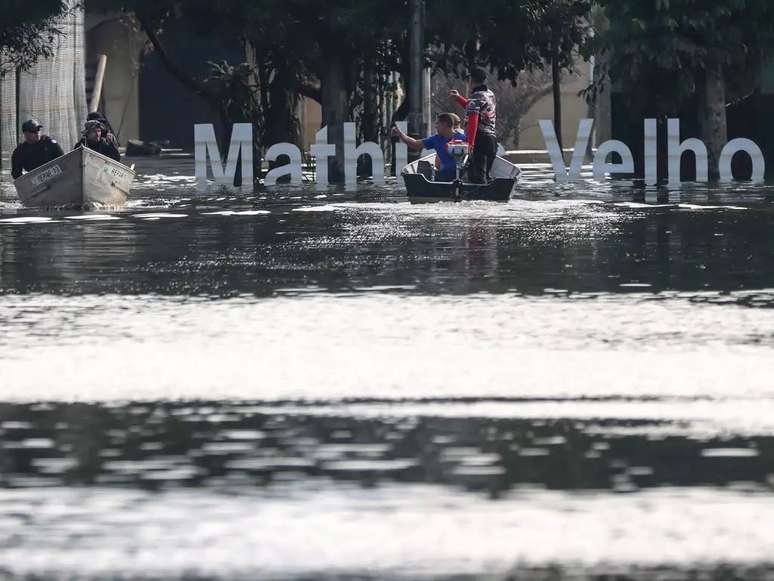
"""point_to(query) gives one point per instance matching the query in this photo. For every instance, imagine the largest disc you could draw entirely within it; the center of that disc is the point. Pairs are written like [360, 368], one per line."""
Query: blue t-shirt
[438, 143]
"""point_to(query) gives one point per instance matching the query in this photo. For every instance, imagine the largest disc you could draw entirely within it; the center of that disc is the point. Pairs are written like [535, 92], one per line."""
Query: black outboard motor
[459, 151]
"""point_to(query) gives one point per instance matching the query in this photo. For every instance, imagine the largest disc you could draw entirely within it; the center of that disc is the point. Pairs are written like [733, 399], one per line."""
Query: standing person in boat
[109, 134]
[445, 132]
[93, 139]
[36, 149]
[481, 113]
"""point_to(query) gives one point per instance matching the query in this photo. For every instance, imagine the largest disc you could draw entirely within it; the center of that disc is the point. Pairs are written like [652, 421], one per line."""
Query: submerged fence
[53, 91]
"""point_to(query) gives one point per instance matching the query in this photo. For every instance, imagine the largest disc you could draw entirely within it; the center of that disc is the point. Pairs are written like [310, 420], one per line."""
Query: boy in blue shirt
[445, 132]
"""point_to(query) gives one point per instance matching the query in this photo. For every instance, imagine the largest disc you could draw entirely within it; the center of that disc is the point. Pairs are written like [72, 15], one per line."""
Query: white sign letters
[675, 150]
[241, 149]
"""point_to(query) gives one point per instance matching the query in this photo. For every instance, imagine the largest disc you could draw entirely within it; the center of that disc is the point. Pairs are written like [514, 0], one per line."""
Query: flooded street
[300, 384]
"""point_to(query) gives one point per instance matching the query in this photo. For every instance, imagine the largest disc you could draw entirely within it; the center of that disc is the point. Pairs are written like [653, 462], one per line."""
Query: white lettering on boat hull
[46, 176]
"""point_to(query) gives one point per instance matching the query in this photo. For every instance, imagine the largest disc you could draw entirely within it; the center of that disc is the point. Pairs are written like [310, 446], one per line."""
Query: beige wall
[574, 108]
[113, 37]
[310, 118]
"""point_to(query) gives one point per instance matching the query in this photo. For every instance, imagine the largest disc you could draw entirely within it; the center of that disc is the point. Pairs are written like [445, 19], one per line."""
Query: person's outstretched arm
[454, 94]
[408, 140]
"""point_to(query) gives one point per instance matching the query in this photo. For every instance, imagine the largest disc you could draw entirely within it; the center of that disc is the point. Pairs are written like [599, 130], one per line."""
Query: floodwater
[333, 385]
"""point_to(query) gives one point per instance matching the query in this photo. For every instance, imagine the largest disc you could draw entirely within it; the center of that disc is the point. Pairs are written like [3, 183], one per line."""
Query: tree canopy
[28, 31]
[667, 55]
[665, 46]
[342, 52]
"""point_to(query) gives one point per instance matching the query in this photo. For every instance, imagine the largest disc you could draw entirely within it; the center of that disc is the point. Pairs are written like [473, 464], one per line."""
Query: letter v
[579, 153]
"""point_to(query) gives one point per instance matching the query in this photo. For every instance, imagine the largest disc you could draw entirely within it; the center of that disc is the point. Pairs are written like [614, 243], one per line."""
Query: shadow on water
[235, 450]
[216, 444]
[334, 241]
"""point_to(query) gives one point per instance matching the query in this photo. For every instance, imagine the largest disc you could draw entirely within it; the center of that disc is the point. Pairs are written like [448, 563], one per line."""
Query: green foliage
[28, 31]
[661, 48]
[295, 43]
[506, 37]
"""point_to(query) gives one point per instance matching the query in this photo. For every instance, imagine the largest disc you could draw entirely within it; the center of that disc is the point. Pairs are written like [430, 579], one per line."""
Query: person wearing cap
[36, 149]
[108, 133]
[93, 139]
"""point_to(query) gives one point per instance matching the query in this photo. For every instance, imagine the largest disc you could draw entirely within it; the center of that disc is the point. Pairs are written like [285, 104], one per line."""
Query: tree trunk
[334, 110]
[281, 119]
[281, 116]
[417, 64]
[556, 79]
[369, 122]
[712, 115]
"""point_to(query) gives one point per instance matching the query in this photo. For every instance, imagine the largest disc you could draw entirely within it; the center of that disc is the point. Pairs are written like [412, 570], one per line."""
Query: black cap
[95, 116]
[93, 124]
[31, 125]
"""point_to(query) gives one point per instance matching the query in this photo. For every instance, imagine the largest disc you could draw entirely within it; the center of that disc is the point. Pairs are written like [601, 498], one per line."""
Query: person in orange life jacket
[36, 150]
[93, 139]
[445, 132]
[481, 113]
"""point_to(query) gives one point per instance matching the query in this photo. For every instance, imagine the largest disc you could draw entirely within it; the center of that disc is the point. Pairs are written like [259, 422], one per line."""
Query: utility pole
[416, 77]
[2, 141]
[427, 101]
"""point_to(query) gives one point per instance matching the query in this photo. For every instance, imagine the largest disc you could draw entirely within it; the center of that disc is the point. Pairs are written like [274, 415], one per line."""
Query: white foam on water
[236, 213]
[159, 215]
[640, 205]
[27, 220]
[708, 207]
[161, 178]
[729, 453]
[416, 530]
[321, 208]
[93, 217]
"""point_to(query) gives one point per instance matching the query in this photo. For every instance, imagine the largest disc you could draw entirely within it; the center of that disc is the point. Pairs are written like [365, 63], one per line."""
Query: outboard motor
[459, 151]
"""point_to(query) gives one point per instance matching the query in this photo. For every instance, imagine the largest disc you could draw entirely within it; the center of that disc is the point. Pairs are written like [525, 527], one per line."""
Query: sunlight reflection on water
[305, 384]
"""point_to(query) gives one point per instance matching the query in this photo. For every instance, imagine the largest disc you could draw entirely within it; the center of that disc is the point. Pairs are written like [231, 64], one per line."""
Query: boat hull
[420, 189]
[81, 178]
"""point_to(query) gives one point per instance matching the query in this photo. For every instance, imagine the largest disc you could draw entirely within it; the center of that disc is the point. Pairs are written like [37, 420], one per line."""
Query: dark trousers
[484, 153]
[448, 175]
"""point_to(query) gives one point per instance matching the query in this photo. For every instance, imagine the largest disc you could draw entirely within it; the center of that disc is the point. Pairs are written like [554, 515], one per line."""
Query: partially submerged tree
[561, 34]
[664, 53]
[341, 53]
[512, 37]
[28, 31]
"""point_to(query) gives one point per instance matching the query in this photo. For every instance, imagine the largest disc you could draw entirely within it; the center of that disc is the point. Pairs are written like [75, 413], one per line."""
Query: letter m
[207, 146]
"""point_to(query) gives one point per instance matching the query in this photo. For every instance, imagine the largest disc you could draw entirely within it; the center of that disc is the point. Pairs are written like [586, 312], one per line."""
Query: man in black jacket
[93, 139]
[36, 150]
[107, 131]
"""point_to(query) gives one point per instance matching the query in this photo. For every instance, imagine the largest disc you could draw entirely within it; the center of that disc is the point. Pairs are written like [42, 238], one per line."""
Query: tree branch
[184, 78]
